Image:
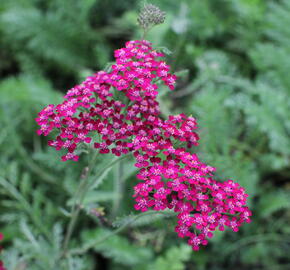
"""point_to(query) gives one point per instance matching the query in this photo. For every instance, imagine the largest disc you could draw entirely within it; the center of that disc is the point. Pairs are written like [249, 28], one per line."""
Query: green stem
[84, 187]
[81, 192]
[96, 182]
[144, 34]
[118, 181]
[88, 246]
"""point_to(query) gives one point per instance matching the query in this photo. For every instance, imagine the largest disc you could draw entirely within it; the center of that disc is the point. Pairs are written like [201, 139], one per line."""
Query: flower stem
[83, 188]
[80, 195]
[118, 190]
[88, 246]
[145, 31]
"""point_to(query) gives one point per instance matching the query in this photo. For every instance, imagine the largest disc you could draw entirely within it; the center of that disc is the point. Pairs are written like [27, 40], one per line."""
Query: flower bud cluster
[150, 15]
[118, 113]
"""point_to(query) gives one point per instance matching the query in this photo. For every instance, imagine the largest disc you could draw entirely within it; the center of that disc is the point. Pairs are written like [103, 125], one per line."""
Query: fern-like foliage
[117, 248]
[173, 259]
[236, 83]
[31, 252]
[268, 109]
[58, 33]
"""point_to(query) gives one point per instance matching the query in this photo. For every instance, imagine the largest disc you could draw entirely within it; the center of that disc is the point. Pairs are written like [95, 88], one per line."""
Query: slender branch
[98, 178]
[118, 183]
[144, 34]
[87, 247]
[84, 187]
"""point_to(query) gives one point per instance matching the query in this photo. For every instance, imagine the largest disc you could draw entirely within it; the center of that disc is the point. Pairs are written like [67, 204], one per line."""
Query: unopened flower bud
[150, 15]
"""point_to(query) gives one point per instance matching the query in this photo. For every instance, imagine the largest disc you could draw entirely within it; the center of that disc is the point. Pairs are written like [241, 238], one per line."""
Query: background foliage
[233, 61]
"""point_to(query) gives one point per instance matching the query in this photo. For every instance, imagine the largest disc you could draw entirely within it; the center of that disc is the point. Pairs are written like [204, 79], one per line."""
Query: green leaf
[117, 248]
[142, 219]
[174, 259]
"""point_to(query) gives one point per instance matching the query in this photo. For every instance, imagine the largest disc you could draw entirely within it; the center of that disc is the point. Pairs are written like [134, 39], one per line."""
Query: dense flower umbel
[119, 113]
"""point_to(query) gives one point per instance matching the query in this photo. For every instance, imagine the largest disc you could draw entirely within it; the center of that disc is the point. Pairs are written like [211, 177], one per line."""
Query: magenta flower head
[120, 107]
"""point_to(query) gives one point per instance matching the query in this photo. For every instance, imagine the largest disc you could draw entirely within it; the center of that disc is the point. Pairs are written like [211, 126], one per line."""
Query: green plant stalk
[119, 182]
[84, 187]
[95, 183]
[145, 32]
[85, 248]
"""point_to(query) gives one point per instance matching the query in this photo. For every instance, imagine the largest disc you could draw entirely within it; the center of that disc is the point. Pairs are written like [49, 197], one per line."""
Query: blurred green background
[233, 62]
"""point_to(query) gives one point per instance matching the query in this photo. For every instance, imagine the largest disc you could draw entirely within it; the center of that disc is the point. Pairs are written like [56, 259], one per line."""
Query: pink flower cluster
[118, 113]
[117, 116]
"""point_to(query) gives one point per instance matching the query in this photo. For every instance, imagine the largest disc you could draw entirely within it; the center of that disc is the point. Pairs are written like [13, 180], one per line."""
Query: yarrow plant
[117, 112]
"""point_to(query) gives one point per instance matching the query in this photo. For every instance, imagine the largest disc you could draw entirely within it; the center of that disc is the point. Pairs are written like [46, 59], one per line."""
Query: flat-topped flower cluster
[118, 112]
